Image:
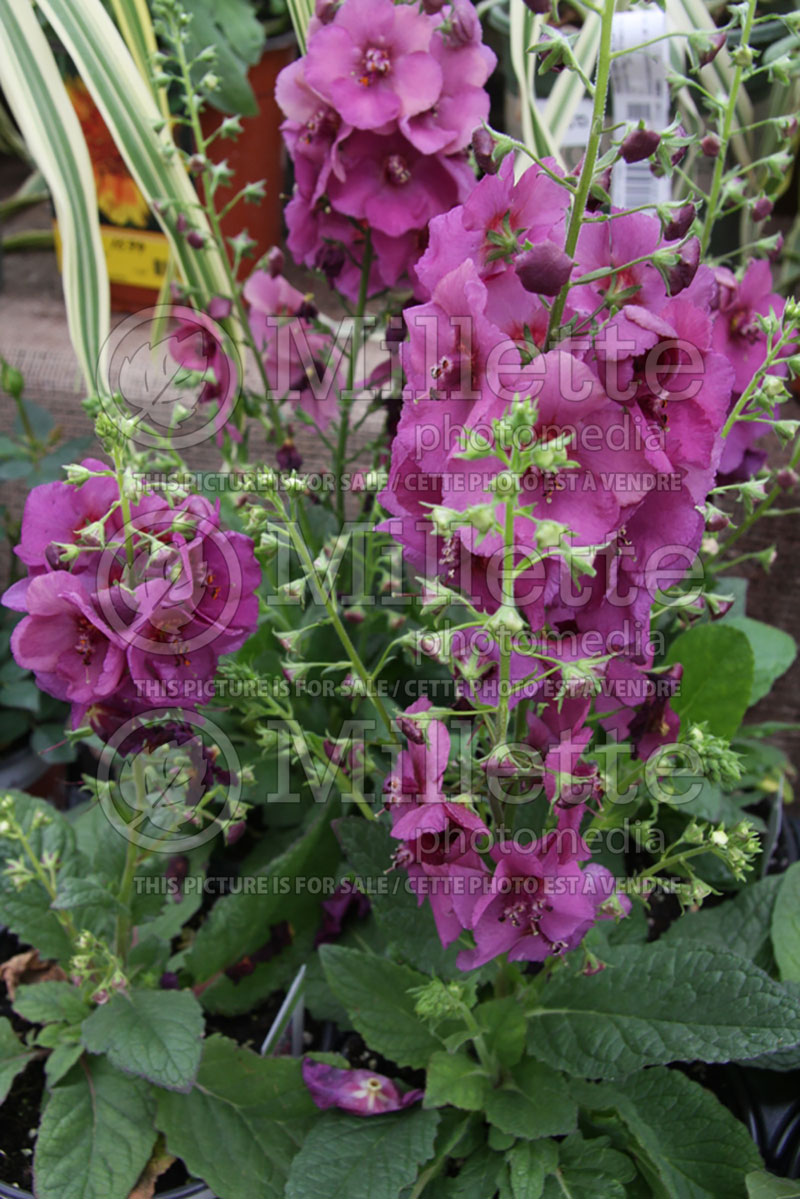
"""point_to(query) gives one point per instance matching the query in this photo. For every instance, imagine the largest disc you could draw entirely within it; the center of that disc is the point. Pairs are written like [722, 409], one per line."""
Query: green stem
[587, 173]
[508, 601]
[123, 930]
[331, 608]
[214, 221]
[727, 127]
[346, 401]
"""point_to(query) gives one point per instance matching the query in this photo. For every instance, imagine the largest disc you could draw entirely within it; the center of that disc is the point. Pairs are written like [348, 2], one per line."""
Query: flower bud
[195, 239]
[680, 223]
[483, 149]
[685, 269]
[639, 144]
[711, 145]
[787, 479]
[544, 269]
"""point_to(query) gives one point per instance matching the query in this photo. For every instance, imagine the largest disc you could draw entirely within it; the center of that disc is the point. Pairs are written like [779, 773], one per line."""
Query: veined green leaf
[34, 90]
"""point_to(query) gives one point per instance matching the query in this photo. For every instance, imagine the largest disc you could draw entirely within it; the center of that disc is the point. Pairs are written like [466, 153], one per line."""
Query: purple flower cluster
[636, 393]
[379, 114]
[540, 899]
[124, 617]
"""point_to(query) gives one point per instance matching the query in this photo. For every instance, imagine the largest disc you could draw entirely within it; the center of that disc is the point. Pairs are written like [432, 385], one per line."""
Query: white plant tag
[640, 93]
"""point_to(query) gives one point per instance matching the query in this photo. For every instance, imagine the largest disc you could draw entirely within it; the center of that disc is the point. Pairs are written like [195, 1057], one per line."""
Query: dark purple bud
[679, 153]
[195, 239]
[777, 249]
[717, 521]
[603, 181]
[181, 224]
[275, 261]
[287, 456]
[761, 209]
[219, 309]
[234, 832]
[465, 27]
[544, 269]
[685, 269]
[483, 148]
[410, 730]
[711, 145]
[169, 981]
[325, 11]
[680, 224]
[540, 7]
[713, 50]
[787, 479]
[330, 260]
[639, 144]
[433, 7]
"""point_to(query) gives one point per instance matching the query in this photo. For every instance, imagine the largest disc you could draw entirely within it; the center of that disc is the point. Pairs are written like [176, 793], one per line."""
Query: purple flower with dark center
[65, 641]
[371, 63]
[362, 1092]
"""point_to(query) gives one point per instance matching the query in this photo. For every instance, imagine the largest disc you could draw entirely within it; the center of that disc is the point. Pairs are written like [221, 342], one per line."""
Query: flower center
[375, 64]
[397, 170]
[84, 645]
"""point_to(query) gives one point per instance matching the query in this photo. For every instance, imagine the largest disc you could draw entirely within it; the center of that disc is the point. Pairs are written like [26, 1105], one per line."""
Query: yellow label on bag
[135, 257]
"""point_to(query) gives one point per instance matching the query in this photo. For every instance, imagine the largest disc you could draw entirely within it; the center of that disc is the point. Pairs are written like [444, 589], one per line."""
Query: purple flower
[371, 63]
[65, 640]
[362, 1092]
[540, 902]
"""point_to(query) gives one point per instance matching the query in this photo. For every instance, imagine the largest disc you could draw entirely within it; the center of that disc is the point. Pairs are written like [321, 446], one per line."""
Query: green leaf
[742, 922]
[28, 912]
[717, 679]
[786, 925]
[96, 1134]
[155, 1034]
[588, 1169]
[51, 1003]
[14, 1057]
[455, 1078]
[503, 1023]
[695, 1148]
[237, 923]
[773, 651]
[349, 1157]
[761, 1185]
[375, 994]
[529, 1163]
[662, 1003]
[238, 39]
[242, 1123]
[535, 1102]
[61, 1060]
[477, 1177]
[409, 928]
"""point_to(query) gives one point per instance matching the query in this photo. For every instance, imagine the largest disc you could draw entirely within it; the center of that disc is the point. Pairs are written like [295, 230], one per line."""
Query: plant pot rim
[190, 1190]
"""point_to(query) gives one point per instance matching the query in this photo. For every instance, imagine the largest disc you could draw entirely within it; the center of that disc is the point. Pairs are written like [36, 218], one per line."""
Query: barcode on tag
[640, 93]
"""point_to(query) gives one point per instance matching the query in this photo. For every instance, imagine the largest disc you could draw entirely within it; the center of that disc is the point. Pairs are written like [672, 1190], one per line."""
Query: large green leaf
[786, 925]
[156, 1034]
[349, 1157]
[240, 923]
[761, 1185]
[655, 1004]
[688, 1144]
[242, 1122]
[717, 679]
[14, 1057]
[51, 1003]
[375, 994]
[96, 1134]
[27, 912]
[532, 1102]
[35, 92]
[773, 651]
[741, 923]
